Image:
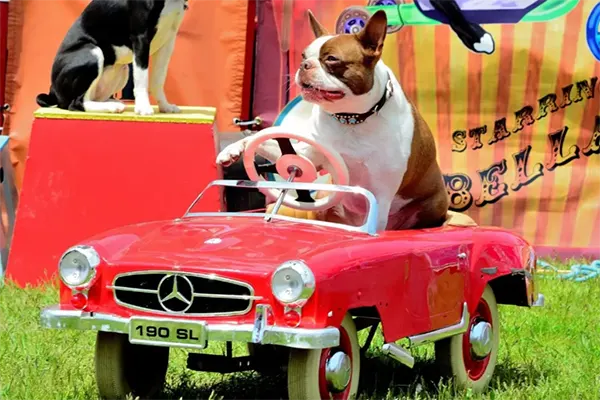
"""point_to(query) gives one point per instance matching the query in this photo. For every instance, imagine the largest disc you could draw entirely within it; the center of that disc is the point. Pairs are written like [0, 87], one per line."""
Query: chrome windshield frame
[369, 227]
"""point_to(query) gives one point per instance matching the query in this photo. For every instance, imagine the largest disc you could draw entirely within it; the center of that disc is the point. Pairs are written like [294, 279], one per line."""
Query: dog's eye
[304, 56]
[332, 59]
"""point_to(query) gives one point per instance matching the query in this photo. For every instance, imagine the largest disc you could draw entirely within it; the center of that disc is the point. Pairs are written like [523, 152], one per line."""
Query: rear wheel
[326, 373]
[123, 368]
[471, 358]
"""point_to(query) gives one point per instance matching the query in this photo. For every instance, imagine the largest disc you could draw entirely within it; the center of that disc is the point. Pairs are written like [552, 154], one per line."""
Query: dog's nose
[306, 64]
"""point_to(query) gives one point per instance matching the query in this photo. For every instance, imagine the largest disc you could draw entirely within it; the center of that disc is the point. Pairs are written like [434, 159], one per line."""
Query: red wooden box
[88, 172]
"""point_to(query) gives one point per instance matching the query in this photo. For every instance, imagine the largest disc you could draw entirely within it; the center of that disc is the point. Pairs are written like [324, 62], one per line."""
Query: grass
[545, 353]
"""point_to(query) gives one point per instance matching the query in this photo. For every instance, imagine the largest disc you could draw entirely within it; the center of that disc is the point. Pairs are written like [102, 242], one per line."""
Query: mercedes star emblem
[175, 293]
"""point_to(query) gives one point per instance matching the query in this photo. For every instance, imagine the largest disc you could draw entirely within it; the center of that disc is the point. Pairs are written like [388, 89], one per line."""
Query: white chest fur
[376, 152]
[168, 24]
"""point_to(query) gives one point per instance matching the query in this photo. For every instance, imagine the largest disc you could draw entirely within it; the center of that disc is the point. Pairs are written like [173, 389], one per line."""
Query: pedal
[399, 354]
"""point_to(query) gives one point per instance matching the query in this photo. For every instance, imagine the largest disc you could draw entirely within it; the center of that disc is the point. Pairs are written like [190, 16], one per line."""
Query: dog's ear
[317, 28]
[373, 34]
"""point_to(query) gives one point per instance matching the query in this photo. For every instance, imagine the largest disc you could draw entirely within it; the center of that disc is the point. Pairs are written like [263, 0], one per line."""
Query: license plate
[171, 333]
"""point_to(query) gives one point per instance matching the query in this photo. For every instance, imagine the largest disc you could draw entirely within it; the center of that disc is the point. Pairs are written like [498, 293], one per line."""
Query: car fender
[506, 262]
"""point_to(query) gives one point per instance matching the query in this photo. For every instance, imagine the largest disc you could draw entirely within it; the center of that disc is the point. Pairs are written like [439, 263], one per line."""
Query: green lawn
[546, 353]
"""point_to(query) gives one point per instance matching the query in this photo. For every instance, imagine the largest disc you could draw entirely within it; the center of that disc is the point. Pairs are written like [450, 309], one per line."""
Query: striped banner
[518, 131]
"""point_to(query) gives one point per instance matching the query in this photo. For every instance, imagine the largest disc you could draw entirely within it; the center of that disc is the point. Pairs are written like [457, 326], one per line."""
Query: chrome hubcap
[337, 371]
[481, 339]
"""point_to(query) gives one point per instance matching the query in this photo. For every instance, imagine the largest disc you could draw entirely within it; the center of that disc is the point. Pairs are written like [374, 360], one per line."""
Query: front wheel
[123, 368]
[470, 358]
[326, 373]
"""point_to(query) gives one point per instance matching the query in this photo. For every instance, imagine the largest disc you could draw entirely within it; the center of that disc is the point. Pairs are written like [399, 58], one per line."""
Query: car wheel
[352, 20]
[326, 373]
[123, 368]
[470, 358]
[390, 29]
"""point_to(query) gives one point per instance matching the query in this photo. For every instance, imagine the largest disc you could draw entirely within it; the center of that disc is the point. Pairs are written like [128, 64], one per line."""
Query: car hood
[219, 243]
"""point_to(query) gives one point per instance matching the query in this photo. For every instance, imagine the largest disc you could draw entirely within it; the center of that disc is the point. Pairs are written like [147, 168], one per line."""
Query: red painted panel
[85, 176]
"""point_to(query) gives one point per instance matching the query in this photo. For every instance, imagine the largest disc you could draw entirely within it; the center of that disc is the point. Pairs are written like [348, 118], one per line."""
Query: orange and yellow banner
[518, 130]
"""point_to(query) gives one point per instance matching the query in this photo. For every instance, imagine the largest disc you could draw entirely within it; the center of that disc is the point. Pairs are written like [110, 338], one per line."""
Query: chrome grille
[171, 292]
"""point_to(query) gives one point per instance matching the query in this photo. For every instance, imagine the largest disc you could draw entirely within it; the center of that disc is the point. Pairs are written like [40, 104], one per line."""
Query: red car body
[415, 279]
[426, 285]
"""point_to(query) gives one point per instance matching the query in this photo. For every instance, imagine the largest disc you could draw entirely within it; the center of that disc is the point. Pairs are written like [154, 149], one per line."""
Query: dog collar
[354, 119]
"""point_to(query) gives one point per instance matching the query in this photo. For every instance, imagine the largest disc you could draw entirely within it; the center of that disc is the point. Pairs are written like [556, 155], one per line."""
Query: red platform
[89, 172]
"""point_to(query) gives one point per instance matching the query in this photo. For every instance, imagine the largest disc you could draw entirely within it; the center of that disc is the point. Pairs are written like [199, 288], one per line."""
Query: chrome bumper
[55, 318]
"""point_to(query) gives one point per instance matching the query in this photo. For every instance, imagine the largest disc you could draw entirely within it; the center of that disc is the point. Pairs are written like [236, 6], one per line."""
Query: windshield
[358, 195]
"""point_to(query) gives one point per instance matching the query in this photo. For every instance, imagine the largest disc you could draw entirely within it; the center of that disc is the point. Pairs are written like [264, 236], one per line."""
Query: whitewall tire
[123, 368]
[331, 373]
[471, 358]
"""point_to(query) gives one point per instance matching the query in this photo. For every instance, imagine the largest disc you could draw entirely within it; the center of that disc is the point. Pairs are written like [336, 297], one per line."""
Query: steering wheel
[291, 161]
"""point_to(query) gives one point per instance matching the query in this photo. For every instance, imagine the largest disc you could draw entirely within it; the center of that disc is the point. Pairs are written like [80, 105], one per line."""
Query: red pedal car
[296, 290]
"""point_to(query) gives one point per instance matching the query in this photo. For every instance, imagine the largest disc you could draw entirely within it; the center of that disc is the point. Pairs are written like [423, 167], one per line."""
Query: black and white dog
[92, 62]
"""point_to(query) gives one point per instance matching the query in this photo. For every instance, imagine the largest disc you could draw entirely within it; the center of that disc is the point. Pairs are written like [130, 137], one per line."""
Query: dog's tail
[46, 99]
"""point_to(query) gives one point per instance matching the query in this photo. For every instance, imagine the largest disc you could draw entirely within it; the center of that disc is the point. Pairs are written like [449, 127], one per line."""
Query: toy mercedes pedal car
[295, 290]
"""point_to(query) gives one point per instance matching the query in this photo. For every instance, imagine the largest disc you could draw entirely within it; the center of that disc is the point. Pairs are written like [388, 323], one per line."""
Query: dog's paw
[231, 153]
[168, 108]
[485, 45]
[144, 109]
[115, 107]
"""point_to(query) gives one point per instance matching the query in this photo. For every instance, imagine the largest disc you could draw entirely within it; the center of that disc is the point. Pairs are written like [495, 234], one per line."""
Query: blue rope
[578, 273]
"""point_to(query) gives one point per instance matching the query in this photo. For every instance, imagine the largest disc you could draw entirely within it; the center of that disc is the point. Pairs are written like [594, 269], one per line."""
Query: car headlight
[77, 266]
[293, 283]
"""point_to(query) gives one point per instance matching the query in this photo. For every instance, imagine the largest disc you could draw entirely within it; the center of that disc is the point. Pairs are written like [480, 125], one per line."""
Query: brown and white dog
[361, 111]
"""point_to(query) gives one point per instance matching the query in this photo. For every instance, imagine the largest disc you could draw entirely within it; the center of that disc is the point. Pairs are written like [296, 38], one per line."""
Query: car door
[436, 280]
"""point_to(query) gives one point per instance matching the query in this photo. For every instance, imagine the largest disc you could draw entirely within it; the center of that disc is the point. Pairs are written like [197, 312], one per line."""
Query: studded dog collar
[355, 119]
